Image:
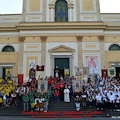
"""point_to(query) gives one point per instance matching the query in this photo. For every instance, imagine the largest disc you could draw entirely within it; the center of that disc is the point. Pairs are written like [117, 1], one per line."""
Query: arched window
[114, 47]
[8, 49]
[61, 11]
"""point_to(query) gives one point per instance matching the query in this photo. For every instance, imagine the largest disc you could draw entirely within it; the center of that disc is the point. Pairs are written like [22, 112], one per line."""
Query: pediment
[62, 48]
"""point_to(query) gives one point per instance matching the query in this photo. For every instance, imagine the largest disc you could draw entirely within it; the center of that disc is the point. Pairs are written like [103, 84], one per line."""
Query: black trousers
[112, 106]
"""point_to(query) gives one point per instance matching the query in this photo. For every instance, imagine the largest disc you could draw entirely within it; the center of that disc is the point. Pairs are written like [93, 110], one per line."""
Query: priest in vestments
[66, 95]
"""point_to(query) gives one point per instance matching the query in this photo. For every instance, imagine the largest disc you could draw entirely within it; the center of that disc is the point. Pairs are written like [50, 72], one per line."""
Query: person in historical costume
[84, 101]
[41, 103]
[32, 103]
[77, 103]
[37, 106]
[66, 95]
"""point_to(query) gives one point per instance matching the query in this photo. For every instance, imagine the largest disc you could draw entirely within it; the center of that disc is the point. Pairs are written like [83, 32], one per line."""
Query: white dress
[66, 95]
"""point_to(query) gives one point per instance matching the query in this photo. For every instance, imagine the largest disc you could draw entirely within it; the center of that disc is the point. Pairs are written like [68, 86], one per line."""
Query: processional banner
[78, 73]
[15, 81]
[86, 71]
[112, 72]
[77, 85]
[42, 86]
[104, 73]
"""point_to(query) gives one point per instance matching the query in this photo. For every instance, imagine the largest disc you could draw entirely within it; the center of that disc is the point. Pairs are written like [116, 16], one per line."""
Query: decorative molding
[43, 38]
[32, 46]
[79, 38]
[61, 48]
[101, 37]
[90, 46]
[21, 38]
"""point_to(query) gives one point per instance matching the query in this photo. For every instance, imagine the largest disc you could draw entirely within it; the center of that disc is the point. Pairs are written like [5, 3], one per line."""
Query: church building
[59, 34]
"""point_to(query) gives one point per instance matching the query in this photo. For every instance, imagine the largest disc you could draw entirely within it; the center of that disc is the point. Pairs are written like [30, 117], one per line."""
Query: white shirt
[4, 97]
[111, 98]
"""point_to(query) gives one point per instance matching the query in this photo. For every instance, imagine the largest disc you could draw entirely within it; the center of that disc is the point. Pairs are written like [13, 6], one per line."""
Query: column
[44, 10]
[68, 14]
[73, 64]
[77, 10]
[24, 10]
[102, 51]
[21, 53]
[49, 14]
[80, 56]
[43, 54]
[53, 14]
[51, 69]
[72, 8]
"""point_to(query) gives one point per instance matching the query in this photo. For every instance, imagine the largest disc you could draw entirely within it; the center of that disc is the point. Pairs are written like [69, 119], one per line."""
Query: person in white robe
[66, 95]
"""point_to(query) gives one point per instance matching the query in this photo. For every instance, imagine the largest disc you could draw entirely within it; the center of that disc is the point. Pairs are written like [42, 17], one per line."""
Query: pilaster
[21, 53]
[43, 54]
[102, 51]
[80, 57]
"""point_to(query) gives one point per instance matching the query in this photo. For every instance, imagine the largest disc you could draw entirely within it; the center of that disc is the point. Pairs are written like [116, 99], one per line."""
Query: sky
[15, 6]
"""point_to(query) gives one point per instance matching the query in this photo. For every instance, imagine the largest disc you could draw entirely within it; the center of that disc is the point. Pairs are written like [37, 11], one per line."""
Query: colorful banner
[15, 81]
[40, 68]
[66, 72]
[92, 63]
[32, 73]
[78, 71]
[20, 79]
[31, 64]
[86, 71]
[104, 73]
[42, 85]
[77, 85]
[112, 71]
[8, 72]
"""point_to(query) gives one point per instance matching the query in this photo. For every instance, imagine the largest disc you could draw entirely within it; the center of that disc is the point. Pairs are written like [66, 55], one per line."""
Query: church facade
[59, 34]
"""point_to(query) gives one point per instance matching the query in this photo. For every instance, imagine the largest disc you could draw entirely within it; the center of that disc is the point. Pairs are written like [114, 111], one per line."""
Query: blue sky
[15, 6]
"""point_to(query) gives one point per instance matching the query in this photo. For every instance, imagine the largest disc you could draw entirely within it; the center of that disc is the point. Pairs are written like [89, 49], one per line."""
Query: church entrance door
[62, 64]
[117, 72]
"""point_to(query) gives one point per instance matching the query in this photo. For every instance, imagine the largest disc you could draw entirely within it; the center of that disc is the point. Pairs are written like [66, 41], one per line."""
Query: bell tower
[89, 10]
[34, 10]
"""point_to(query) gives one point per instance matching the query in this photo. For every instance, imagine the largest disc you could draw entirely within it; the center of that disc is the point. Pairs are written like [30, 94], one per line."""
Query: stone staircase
[59, 109]
[62, 106]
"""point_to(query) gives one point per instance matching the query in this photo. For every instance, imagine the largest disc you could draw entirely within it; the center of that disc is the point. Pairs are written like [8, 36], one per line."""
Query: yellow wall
[34, 5]
[87, 5]
[112, 39]
[112, 56]
[61, 39]
[9, 40]
[32, 39]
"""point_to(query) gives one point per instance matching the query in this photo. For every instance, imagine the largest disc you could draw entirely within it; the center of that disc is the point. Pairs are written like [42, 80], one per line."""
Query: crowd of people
[104, 94]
